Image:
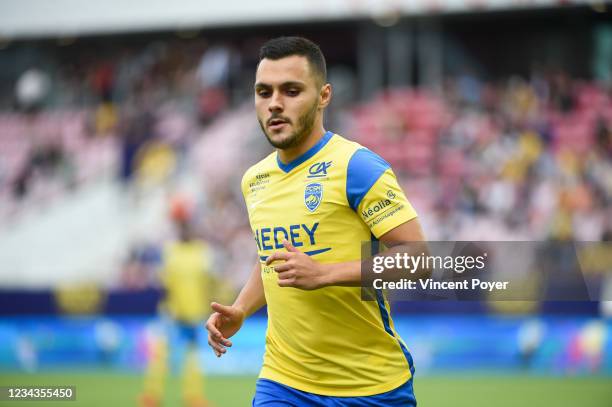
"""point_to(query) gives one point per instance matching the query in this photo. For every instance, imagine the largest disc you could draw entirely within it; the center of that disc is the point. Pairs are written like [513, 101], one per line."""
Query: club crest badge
[313, 193]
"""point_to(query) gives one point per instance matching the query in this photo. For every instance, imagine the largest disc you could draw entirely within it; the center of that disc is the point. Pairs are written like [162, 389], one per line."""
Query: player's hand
[222, 325]
[296, 269]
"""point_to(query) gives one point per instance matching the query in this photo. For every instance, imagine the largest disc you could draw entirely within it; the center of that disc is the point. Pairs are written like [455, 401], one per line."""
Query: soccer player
[185, 277]
[311, 204]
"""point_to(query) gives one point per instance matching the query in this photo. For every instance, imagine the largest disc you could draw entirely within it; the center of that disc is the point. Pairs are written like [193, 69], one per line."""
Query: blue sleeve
[364, 169]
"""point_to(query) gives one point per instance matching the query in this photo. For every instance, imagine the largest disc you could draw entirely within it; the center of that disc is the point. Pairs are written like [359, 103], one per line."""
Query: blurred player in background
[311, 203]
[186, 279]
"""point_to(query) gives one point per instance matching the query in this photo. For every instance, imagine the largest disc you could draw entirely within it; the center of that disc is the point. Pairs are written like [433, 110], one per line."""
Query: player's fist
[222, 325]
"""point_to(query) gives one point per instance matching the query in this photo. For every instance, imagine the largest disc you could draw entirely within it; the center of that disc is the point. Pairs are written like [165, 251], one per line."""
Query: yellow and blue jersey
[326, 202]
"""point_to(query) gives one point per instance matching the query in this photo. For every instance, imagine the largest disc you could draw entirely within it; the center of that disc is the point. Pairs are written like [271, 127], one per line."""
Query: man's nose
[276, 103]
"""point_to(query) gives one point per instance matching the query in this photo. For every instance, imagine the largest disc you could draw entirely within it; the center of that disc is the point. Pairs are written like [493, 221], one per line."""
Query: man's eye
[263, 93]
[293, 92]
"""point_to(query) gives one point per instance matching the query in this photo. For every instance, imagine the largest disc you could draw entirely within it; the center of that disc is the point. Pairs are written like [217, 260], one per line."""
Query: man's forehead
[294, 68]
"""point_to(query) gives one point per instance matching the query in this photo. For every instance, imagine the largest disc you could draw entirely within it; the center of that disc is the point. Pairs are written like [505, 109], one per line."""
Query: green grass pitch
[119, 389]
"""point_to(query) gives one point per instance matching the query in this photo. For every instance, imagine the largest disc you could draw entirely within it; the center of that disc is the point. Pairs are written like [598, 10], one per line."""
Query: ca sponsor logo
[319, 169]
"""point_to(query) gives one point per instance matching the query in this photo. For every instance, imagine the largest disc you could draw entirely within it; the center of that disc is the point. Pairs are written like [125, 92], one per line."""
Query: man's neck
[289, 154]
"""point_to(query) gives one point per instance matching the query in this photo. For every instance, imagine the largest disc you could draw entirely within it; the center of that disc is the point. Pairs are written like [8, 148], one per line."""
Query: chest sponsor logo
[318, 170]
[313, 194]
[272, 237]
[301, 235]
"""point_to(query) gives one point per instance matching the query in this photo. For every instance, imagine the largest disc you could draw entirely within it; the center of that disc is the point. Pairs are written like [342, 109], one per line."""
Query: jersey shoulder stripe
[364, 169]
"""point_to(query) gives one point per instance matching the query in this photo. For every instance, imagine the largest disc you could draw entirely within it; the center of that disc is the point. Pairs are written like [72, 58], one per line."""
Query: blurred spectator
[136, 131]
[32, 88]
[103, 81]
[46, 160]
[213, 73]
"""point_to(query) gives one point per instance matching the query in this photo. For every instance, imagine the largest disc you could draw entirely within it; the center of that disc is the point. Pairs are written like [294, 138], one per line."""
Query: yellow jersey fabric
[326, 203]
[185, 277]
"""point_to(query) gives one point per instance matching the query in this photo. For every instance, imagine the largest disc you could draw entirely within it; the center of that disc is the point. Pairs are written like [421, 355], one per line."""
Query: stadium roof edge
[64, 18]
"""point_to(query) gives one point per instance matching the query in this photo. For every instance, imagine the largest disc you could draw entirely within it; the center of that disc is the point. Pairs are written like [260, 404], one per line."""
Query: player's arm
[227, 320]
[251, 297]
[406, 238]
[301, 271]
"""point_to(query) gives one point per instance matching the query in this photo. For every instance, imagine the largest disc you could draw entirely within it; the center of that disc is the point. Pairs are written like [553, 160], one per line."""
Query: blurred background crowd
[491, 156]
[498, 125]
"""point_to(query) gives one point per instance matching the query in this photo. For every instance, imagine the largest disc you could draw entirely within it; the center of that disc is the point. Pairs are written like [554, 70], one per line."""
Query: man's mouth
[276, 124]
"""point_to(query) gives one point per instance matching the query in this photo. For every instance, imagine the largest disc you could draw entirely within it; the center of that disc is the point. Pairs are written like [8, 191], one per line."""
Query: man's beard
[305, 124]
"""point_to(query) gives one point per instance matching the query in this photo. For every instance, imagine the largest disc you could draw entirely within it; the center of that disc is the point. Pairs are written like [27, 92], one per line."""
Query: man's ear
[325, 95]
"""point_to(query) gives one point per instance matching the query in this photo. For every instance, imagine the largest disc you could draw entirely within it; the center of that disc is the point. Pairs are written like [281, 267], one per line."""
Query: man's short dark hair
[282, 47]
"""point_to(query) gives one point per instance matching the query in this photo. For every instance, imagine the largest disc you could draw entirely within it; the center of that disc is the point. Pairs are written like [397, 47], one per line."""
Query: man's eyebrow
[289, 84]
[282, 85]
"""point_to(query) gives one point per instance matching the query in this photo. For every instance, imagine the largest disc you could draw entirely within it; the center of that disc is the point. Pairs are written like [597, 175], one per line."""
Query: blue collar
[308, 154]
